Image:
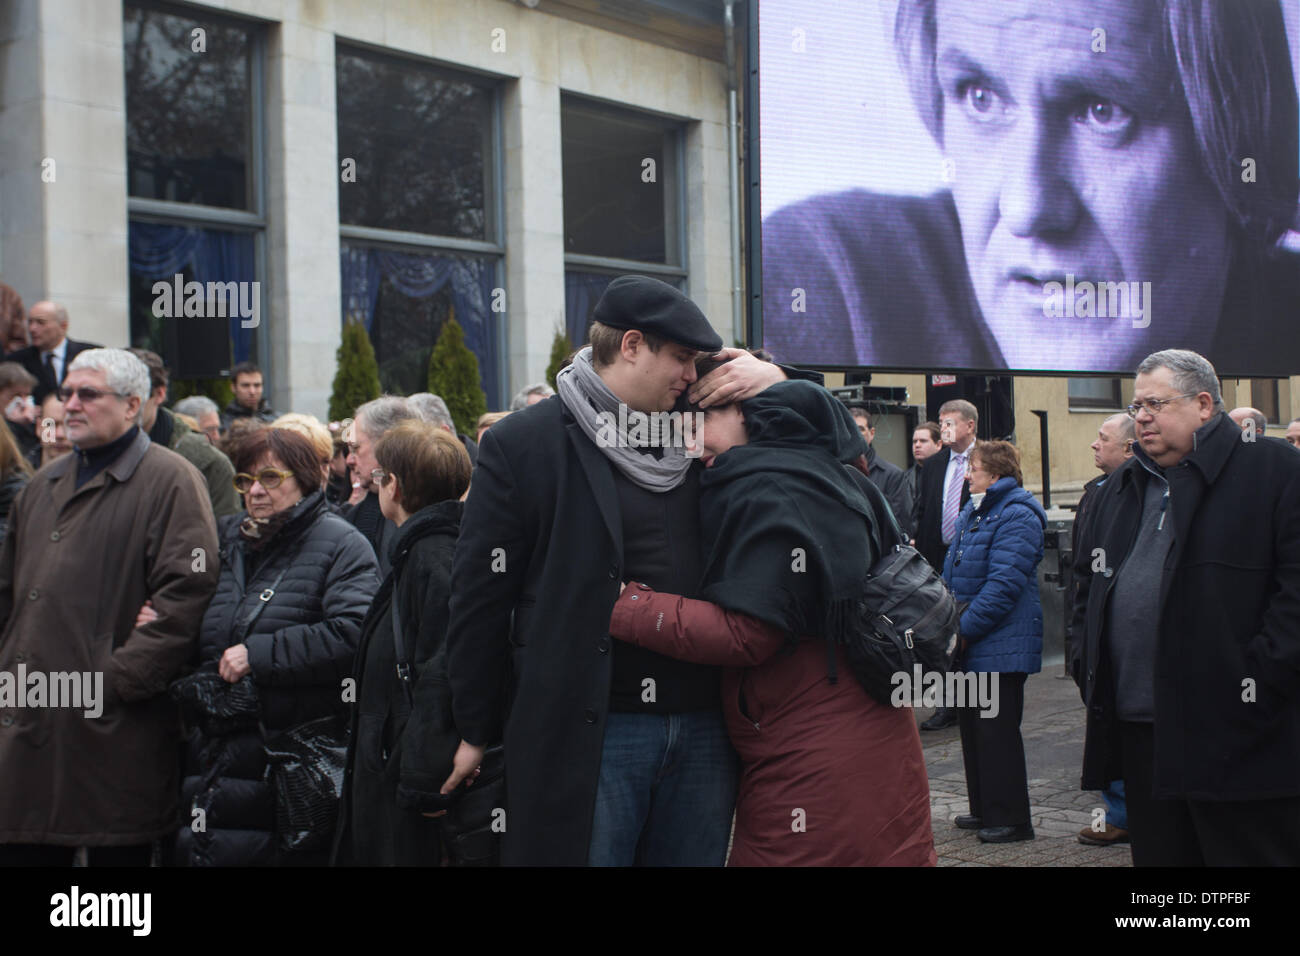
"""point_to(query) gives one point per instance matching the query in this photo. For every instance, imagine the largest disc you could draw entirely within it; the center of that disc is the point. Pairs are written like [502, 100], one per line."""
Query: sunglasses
[85, 394]
[268, 478]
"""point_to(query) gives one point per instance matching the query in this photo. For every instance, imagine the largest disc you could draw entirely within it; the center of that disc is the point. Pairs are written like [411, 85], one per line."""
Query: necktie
[49, 369]
[952, 501]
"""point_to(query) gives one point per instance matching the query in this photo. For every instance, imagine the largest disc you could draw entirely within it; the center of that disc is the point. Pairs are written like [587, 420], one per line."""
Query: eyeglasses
[1154, 405]
[268, 478]
[85, 394]
[378, 476]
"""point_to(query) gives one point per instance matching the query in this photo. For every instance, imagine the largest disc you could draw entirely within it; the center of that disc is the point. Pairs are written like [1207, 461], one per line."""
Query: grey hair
[521, 399]
[432, 409]
[377, 416]
[962, 407]
[1127, 426]
[196, 406]
[1192, 372]
[123, 372]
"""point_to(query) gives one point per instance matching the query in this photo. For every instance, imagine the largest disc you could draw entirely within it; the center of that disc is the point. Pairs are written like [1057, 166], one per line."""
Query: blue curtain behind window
[158, 252]
[420, 275]
[582, 290]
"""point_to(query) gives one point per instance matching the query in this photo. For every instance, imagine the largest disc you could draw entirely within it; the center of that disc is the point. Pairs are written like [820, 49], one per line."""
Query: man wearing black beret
[615, 755]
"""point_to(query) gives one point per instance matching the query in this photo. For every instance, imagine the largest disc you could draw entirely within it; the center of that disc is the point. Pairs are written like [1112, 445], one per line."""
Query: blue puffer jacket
[993, 564]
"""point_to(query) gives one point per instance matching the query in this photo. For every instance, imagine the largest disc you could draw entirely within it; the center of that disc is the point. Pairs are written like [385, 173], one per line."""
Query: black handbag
[305, 765]
[472, 826]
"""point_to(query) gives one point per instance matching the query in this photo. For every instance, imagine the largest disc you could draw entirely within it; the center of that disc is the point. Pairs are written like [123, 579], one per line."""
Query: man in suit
[616, 755]
[943, 493]
[885, 475]
[51, 351]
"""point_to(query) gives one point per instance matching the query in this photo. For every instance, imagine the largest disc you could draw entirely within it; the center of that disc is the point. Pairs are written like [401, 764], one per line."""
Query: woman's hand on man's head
[744, 376]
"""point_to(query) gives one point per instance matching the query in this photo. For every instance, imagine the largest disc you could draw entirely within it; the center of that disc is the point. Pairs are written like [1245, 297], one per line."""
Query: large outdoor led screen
[1036, 185]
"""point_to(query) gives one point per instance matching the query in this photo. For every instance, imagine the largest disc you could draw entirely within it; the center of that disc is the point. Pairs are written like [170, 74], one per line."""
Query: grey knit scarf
[596, 409]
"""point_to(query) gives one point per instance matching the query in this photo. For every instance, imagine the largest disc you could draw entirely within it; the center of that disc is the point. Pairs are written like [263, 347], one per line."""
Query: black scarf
[789, 489]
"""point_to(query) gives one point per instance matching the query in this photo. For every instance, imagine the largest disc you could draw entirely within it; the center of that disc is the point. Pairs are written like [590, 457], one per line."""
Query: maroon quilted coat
[830, 776]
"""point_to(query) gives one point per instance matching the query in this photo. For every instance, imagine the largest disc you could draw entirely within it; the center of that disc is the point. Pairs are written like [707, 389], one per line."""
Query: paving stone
[1052, 729]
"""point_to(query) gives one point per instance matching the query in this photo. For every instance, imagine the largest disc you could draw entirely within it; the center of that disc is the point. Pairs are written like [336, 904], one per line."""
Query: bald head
[1114, 444]
[47, 325]
[1245, 414]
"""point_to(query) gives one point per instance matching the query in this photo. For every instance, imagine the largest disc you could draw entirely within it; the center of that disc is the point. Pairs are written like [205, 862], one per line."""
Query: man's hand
[234, 663]
[742, 377]
[145, 614]
[464, 764]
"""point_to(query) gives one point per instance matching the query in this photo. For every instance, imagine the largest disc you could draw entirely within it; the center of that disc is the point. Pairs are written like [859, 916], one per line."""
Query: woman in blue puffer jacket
[992, 564]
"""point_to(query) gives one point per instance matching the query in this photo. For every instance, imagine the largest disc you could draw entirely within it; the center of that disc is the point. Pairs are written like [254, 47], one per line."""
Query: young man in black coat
[1190, 624]
[885, 475]
[613, 755]
[943, 493]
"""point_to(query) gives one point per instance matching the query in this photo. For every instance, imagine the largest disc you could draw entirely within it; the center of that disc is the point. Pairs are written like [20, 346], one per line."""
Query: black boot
[943, 717]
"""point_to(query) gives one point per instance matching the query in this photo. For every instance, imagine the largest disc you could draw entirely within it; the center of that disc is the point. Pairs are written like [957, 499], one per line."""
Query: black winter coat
[537, 571]
[893, 482]
[301, 648]
[1230, 620]
[401, 749]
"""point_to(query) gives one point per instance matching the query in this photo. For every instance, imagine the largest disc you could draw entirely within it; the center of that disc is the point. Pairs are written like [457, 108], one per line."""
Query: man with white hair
[204, 411]
[433, 409]
[1247, 414]
[94, 538]
[531, 395]
[1188, 609]
[372, 420]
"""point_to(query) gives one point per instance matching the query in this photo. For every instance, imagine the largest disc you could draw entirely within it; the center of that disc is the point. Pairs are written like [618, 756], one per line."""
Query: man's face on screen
[1071, 161]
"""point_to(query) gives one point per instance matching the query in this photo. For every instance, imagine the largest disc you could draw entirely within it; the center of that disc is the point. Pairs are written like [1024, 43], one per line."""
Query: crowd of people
[646, 634]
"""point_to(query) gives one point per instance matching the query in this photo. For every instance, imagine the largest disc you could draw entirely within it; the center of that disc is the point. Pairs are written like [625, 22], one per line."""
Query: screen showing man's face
[1028, 185]
[1073, 162]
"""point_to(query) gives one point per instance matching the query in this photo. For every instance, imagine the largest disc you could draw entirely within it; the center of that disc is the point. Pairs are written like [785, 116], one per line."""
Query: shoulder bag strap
[399, 639]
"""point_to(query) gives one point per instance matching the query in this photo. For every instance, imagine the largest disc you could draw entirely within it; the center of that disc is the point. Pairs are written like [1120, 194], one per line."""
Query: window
[194, 182]
[419, 219]
[189, 135]
[422, 139]
[622, 203]
[1263, 395]
[1094, 394]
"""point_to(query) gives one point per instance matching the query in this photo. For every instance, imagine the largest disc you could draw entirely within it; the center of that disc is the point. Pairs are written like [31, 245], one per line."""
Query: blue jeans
[1116, 808]
[666, 793]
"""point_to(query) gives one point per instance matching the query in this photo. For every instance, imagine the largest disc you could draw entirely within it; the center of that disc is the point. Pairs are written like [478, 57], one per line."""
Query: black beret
[648, 305]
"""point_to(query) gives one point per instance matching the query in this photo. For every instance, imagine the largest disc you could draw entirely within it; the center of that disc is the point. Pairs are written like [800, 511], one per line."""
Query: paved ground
[1052, 729]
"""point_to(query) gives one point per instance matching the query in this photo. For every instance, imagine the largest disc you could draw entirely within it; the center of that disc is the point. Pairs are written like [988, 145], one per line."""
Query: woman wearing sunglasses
[296, 582]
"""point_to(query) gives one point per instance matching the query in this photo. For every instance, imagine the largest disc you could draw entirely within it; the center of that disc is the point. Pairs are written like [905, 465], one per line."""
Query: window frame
[674, 130]
[494, 220]
[1086, 404]
[252, 220]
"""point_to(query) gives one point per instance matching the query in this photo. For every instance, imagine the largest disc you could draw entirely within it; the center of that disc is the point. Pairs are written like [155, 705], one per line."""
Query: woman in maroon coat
[830, 776]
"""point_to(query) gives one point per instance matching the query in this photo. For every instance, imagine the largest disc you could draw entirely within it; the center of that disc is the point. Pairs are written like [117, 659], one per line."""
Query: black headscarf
[789, 488]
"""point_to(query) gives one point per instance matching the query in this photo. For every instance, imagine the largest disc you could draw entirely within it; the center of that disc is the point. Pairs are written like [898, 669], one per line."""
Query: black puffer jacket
[401, 750]
[301, 648]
